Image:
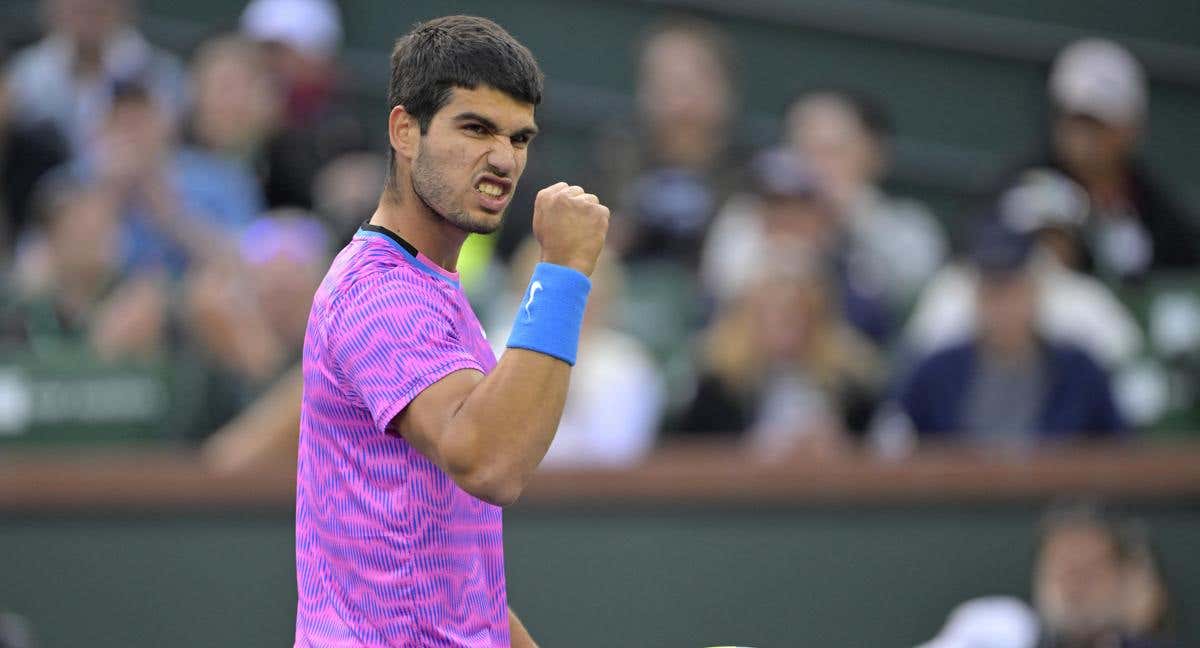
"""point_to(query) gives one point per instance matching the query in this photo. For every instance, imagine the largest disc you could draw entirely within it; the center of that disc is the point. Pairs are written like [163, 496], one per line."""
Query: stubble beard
[438, 197]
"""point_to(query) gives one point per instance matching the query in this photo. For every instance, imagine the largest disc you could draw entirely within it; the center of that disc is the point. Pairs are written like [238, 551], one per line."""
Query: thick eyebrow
[528, 131]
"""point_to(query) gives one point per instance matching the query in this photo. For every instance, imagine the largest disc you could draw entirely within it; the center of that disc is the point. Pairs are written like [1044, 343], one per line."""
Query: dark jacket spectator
[1008, 383]
[1173, 231]
[1134, 226]
[1074, 398]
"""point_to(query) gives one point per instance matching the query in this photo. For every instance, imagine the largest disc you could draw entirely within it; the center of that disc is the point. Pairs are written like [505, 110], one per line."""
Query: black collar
[408, 247]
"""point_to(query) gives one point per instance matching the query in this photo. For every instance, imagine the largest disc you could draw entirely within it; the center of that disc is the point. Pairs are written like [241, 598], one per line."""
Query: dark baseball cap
[998, 250]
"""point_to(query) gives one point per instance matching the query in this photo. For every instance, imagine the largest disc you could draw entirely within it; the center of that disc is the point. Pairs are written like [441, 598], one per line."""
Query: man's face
[682, 84]
[87, 22]
[1088, 145]
[1007, 304]
[837, 145]
[1078, 582]
[470, 158]
[235, 101]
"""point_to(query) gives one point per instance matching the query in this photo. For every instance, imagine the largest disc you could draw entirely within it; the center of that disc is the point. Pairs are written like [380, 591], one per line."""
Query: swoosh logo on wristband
[533, 289]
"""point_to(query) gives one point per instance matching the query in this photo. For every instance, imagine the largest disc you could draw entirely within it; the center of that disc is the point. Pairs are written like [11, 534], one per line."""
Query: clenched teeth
[490, 189]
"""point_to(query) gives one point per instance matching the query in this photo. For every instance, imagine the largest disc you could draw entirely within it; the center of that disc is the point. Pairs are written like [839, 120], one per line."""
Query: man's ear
[404, 133]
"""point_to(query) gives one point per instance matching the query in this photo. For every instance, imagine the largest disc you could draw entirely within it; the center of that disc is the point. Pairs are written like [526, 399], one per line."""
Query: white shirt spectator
[45, 87]
[897, 239]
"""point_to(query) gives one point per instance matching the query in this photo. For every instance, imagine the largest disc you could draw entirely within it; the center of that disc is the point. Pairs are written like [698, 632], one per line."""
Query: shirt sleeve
[393, 338]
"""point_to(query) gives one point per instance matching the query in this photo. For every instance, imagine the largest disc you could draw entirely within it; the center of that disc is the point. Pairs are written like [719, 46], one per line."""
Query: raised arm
[489, 433]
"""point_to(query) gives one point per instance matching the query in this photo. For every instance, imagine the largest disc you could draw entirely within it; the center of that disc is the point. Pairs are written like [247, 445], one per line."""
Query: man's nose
[502, 157]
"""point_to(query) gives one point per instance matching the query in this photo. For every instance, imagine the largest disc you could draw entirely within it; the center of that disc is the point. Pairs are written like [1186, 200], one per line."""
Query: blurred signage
[41, 403]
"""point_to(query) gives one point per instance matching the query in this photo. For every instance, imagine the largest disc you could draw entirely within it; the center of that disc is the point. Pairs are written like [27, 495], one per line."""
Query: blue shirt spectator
[212, 191]
[178, 206]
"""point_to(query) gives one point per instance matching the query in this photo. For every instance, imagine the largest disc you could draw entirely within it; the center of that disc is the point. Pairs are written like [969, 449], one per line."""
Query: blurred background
[897, 339]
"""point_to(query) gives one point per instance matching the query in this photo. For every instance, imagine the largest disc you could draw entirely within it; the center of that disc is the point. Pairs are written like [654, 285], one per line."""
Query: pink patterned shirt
[389, 550]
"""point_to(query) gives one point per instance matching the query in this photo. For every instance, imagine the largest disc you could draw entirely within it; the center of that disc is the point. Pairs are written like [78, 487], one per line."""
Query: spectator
[790, 201]
[1088, 582]
[896, 242]
[673, 176]
[71, 294]
[780, 362]
[1007, 385]
[1089, 587]
[68, 77]
[301, 39]
[249, 317]
[27, 151]
[236, 110]
[1098, 91]
[613, 368]
[1072, 307]
[178, 207]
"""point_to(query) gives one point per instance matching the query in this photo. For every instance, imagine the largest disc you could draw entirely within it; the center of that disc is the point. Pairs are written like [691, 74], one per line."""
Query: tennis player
[412, 436]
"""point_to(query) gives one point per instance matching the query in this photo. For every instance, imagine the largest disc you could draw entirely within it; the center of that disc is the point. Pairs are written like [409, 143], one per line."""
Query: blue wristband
[551, 313]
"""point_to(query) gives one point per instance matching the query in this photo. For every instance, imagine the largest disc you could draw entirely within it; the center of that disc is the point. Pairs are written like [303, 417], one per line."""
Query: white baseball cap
[989, 622]
[1101, 79]
[1044, 198]
[310, 26]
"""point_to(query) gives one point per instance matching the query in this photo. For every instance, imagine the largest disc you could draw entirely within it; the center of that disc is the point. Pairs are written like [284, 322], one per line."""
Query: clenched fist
[570, 225]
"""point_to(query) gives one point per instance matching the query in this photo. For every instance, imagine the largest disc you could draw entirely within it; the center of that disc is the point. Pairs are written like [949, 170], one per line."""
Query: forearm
[489, 433]
[504, 427]
[518, 635]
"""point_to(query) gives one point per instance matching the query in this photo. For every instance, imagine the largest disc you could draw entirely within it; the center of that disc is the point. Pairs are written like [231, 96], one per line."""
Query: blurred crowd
[175, 215]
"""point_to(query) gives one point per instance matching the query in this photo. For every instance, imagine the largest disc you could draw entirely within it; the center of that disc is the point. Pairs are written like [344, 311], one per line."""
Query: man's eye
[520, 140]
[476, 129]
